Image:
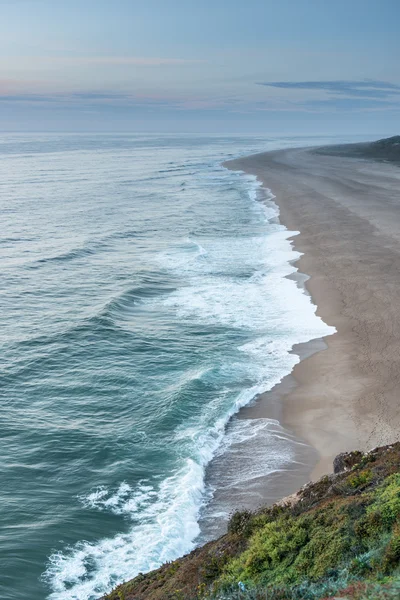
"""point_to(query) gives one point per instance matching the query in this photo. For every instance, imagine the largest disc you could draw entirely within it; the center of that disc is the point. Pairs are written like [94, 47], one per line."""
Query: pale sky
[255, 66]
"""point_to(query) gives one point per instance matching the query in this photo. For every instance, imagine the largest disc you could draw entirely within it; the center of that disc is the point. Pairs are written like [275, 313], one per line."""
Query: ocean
[144, 301]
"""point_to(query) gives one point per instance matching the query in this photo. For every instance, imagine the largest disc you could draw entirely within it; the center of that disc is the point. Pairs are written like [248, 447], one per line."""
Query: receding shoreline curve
[348, 213]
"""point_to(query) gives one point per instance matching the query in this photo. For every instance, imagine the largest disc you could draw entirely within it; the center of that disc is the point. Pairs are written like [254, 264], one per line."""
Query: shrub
[239, 523]
[391, 556]
[360, 479]
[386, 504]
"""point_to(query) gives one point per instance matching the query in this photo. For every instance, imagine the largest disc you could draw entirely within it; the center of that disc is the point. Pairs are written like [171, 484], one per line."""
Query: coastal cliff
[385, 150]
[337, 537]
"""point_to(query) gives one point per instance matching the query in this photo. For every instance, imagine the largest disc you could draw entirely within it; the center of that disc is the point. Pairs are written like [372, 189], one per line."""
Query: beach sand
[346, 394]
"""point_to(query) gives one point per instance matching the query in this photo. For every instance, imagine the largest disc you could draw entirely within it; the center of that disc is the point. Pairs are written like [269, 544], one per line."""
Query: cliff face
[337, 537]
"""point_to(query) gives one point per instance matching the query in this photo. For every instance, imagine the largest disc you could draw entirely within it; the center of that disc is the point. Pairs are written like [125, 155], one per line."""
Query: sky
[291, 67]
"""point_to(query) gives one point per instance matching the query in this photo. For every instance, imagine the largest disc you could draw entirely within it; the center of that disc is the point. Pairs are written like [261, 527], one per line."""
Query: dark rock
[346, 460]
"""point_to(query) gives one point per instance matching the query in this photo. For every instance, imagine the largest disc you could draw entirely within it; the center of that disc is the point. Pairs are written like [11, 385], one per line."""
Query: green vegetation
[385, 150]
[341, 538]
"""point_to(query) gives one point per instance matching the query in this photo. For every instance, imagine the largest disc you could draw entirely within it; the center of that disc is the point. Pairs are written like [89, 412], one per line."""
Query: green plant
[360, 479]
[391, 556]
[240, 521]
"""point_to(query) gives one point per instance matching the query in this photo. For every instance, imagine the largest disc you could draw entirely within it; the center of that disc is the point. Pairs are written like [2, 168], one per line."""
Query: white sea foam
[166, 525]
[124, 501]
[165, 519]
[238, 282]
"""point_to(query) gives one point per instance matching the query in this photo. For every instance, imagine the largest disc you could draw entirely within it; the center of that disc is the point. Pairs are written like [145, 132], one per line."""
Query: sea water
[144, 300]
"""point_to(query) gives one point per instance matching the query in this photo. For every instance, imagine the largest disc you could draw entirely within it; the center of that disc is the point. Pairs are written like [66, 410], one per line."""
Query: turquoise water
[143, 301]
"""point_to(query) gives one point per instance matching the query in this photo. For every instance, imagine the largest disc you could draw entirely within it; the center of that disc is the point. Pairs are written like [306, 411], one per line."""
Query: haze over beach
[200, 260]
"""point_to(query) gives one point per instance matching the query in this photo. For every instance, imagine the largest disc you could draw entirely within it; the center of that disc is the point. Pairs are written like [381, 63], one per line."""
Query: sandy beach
[347, 210]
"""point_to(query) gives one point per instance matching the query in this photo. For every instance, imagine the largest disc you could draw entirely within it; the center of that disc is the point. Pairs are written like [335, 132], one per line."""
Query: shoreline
[271, 403]
[342, 398]
[267, 405]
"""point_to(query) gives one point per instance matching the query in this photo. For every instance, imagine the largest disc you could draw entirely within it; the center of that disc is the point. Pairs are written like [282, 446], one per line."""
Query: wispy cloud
[324, 97]
[97, 99]
[140, 61]
[9, 86]
[87, 61]
[351, 89]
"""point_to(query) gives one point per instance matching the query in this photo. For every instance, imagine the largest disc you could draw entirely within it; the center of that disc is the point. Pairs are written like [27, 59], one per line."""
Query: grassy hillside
[337, 537]
[386, 150]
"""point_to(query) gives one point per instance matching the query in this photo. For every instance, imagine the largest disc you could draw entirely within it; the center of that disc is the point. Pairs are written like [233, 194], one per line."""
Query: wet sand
[346, 394]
